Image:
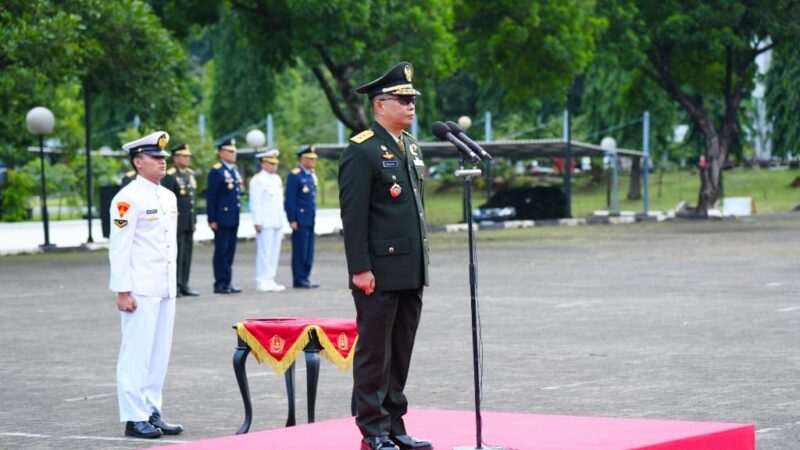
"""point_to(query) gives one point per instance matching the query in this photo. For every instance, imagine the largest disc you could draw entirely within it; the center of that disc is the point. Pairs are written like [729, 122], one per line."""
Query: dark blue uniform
[300, 206]
[223, 206]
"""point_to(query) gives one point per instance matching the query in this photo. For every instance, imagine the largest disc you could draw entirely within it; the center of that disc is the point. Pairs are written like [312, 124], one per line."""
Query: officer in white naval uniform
[142, 253]
[269, 218]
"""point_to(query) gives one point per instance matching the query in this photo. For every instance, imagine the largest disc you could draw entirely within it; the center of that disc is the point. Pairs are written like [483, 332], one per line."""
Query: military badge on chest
[228, 180]
[396, 189]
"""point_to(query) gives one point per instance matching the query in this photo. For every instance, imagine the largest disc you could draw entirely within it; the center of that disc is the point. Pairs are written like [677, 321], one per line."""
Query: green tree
[528, 48]
[702, 54]
[39, 43]
[243, 88]
[344, 43]
[783, 100]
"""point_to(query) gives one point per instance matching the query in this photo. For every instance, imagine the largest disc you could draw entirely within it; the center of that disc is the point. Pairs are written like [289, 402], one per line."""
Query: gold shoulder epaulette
[171, 171]
[130, 173]
[363, 136]
[191, 172]
[217, 165]
[295, 171]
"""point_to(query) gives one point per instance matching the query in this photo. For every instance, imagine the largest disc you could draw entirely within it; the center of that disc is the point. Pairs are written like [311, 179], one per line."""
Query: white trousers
[268, 251]
[143, 357]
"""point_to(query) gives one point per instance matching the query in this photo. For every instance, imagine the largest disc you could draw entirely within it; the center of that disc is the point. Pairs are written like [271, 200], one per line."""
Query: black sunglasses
[404, 100]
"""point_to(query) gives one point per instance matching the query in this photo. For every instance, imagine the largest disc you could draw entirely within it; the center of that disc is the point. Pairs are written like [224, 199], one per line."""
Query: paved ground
[27, 237]
[681, 320]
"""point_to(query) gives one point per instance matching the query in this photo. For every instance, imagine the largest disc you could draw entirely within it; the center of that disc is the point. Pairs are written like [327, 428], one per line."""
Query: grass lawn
[770, 188]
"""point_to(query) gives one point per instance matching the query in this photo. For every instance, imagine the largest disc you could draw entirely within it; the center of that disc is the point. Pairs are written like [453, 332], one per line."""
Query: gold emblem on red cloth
[395, 190]
[276, 344]
[122, 208]
[343, 343]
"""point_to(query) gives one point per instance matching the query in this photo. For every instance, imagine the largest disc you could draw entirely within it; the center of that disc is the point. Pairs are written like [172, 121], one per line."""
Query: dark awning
[527, 148]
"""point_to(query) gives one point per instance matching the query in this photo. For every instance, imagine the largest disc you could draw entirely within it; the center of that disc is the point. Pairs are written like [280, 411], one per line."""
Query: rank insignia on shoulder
[130, 173]
[295, 171]
[217, 165]
[363, 136]
[120, 223]
[171, 171]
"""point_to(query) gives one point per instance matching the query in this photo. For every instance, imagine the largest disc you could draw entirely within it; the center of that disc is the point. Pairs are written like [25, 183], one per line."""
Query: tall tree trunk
[635, 185]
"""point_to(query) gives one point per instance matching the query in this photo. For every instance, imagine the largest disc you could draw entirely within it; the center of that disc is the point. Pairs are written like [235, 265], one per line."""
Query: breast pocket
[391, 247]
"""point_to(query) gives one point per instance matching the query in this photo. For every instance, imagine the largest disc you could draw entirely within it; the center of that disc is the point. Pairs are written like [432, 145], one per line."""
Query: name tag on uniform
[418, 162]
[388, 164]
[151, 211]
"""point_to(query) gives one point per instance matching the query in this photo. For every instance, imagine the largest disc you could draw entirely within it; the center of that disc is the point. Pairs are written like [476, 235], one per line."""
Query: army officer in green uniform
[383, 216]
[180, 180]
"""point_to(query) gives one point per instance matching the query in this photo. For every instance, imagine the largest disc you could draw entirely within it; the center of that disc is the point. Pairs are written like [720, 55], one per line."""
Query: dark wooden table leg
[312, 373]
[353, 403]
[239, 360]
[290, 421]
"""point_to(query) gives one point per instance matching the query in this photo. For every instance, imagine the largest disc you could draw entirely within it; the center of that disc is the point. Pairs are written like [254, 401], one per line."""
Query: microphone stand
[467, 174]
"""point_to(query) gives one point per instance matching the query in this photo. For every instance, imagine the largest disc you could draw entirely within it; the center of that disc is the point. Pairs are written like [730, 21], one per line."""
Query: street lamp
[609, 144]
[464, 122]
[40, 121]
[255, 138]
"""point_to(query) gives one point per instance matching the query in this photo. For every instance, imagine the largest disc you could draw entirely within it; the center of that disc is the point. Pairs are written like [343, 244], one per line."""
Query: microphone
[459, 133]
[443, 133]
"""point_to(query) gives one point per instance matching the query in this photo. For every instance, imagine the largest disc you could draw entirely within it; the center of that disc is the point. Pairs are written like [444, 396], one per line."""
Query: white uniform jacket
[143, 243]
[266, 200]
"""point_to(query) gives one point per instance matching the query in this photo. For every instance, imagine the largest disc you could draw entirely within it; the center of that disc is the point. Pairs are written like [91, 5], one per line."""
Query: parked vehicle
[526, 203]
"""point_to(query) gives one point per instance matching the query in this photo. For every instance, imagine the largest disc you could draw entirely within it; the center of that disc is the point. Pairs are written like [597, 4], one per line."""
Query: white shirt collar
[145, 183]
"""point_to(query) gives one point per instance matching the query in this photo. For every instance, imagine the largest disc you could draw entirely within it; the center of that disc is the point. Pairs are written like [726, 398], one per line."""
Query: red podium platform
[448, 429]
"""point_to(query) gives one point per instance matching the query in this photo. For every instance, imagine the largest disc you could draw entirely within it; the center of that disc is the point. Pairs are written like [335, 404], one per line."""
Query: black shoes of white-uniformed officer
[166, 428]
[405, 442]
[142, 429]
[378, 443]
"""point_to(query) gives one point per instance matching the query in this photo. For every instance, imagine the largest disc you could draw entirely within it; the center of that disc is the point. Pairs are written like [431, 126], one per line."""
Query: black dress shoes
[142, 430]
[306, 285]
[224, 290]
[166, 428]
[234, 289]
[188, 292]
[405, 441]
[378, 443]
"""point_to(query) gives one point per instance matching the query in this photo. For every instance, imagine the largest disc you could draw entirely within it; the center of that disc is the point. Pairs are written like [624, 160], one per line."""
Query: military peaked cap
[227, 144]
[309, 151]
[396, 82]
[153, 144]
[181, 150]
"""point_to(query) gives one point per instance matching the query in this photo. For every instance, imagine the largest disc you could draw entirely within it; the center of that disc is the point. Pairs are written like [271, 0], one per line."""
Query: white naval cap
[270, 156]
[153, 144]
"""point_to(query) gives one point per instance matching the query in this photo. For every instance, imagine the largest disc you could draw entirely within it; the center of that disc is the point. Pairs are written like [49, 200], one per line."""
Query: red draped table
[278, 341]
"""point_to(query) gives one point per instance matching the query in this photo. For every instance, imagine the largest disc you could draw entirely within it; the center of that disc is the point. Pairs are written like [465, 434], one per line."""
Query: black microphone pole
[467, 174]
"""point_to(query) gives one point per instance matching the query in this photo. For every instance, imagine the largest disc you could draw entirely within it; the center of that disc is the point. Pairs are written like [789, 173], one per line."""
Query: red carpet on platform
[448, 429]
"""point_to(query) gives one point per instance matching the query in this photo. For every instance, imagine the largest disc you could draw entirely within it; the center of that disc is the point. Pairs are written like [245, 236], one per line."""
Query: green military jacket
[382, 208]
[183, 184]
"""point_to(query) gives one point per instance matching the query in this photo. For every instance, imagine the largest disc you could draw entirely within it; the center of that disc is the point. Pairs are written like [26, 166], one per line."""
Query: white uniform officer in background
[269, 218]
[143, 252]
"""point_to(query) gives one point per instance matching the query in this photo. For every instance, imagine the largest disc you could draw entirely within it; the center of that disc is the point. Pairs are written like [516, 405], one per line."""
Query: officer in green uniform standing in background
[383, 217]
[180, 180]
[129, 176]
